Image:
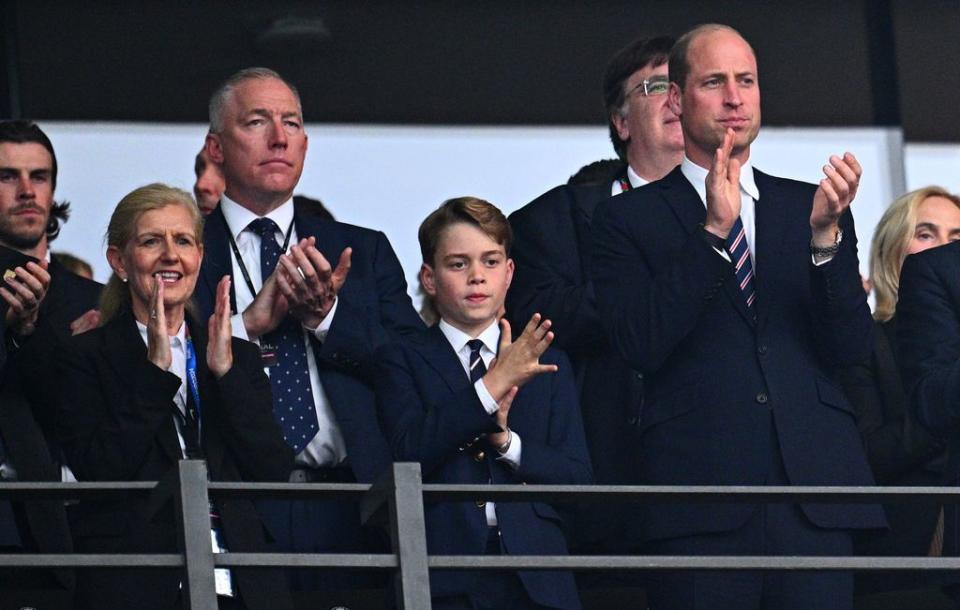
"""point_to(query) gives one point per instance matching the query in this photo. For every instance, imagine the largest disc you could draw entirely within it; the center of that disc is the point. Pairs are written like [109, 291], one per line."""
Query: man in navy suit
[736, 293]
[318, 325]
[553, 249]
[466, 418]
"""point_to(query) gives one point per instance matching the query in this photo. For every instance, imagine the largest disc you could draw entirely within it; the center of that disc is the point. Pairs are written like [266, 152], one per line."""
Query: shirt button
[762, 398]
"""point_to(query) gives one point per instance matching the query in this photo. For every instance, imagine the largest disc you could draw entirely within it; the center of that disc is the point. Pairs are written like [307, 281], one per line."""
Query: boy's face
[469, 278]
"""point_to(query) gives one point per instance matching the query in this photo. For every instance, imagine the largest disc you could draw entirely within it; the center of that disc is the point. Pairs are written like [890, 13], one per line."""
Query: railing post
[193, 521]
[409, 538]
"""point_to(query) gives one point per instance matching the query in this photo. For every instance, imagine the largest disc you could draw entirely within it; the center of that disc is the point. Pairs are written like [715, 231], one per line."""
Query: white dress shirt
[633, 177]
[697, 176]
[328, 447]
[490, 338]
[749, 194]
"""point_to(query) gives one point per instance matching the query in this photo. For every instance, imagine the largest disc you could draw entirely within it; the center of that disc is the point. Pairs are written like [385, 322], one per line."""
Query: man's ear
[619, 122]
[115, 258]
[510, 267]
[213, 148]
[675, 99]
[427, 280]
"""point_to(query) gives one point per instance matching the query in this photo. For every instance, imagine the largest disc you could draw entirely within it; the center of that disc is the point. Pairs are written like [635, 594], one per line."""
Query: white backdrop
[390, 178]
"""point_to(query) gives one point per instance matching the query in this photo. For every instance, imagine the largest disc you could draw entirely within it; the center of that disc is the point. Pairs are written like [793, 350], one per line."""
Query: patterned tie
[293, 405]
[477, 368]
[740, 254]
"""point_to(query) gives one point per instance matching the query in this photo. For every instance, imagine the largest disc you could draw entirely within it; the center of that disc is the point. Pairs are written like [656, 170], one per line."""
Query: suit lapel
[439, 355]
[690, 211]
[123, 348]
[216, 258]
[771, 225]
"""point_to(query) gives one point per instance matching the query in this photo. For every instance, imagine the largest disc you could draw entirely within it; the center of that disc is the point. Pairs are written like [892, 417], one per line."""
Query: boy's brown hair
[470, 210]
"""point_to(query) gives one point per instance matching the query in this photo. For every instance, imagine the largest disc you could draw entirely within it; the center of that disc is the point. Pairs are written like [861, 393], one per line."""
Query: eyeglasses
[658, 85]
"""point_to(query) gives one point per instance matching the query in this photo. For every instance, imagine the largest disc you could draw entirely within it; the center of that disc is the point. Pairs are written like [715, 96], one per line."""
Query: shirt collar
[239, 217]
[458, 339]
[636, 181]
[697, 176]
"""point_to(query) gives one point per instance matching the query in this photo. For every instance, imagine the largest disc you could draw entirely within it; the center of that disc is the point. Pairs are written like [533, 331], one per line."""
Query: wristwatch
[825, 251]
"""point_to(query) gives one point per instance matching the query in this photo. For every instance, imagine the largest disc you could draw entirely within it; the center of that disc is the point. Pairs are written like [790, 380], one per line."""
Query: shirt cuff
[239, 330]
[489, 404]
[320, 332]
[512, 456]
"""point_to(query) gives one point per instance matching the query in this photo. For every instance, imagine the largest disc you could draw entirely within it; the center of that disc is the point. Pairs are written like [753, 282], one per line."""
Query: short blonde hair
[123, 228]
[891, 239]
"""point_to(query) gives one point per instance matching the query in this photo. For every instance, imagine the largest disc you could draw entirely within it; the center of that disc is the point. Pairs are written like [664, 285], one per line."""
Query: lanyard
[236, 253]
[193, 384]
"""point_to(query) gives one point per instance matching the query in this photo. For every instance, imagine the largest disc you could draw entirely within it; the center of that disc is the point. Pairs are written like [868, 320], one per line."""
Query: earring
[124, 280]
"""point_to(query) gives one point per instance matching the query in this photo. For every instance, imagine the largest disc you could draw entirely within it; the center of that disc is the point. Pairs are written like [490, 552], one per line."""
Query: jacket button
[481, 504]
[479, 455]
[762, 350]
[639, 375]
[762, 398]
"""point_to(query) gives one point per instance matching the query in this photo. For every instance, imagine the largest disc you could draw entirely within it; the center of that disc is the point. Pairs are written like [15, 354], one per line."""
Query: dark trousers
[35, 588]
[491, 590]
[324, 526]
[32, 588]
[774, 529]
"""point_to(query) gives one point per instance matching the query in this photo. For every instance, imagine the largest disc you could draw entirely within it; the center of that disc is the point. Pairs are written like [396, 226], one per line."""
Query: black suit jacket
[553, 249]
[28, 404]
[928, 338]
[116, 424]
[431, 414]
[33, 358]
[728, 393]
[900, 452]
[373, 307]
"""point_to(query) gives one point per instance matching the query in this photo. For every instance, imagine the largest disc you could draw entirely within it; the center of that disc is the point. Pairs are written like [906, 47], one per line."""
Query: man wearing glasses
[552, 251]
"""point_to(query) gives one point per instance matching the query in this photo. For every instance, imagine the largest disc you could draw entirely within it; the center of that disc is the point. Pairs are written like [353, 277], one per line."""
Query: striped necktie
[740, 255]
[477, 368]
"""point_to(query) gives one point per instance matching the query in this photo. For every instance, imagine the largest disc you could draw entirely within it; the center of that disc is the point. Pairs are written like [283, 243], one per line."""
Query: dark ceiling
[822, 62]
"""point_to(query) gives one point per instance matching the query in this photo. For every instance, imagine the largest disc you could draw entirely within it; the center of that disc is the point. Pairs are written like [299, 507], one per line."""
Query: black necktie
[477, 368]
[293, 404]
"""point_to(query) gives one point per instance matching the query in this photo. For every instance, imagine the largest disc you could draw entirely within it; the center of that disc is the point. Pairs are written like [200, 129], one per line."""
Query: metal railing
[400, 495]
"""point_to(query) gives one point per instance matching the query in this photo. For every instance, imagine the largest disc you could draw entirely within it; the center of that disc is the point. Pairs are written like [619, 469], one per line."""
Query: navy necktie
[477, 368]
[293, 405]
[740, 255]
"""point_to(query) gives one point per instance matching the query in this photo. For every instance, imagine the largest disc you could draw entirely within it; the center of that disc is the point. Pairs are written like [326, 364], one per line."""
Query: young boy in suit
[473, 406]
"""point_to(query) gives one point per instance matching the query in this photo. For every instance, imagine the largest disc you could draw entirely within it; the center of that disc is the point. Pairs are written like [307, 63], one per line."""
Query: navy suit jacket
[928, 338]
[727, 393]
[431, 414]
[373, 307]
[116, 424]
[553, 250]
